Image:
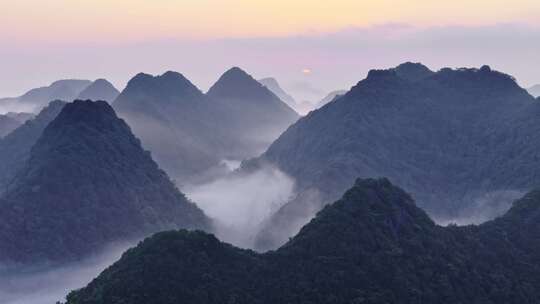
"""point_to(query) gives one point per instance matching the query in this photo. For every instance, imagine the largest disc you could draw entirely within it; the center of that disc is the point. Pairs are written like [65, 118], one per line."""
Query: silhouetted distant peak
[62, 82]
[100, 89]
[381, 74]
[81, 111]
[237, 84]
[168, 80]
[168, 87]
[236, 73]
[413, 71]
[273, 85]
[269, 81]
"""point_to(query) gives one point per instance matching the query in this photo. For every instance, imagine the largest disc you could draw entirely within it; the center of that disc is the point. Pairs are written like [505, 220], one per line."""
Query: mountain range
[463, 142]
[100, 89]
[374, 245]
[190, 133]
[67, 90]
[86, 183]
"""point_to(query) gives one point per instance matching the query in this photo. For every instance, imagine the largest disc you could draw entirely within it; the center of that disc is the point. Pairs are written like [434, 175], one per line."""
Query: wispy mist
[51, 285]
[240, 202]
[11, 105]
[485, 207]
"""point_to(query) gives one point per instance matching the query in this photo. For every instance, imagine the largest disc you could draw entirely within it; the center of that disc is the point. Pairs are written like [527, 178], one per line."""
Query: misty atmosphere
[269, 152]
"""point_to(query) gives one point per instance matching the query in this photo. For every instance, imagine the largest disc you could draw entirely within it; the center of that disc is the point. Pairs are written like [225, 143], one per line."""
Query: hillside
[190, 133]
[371, 246]
[464, 142]
[87, 182]
[15, 147]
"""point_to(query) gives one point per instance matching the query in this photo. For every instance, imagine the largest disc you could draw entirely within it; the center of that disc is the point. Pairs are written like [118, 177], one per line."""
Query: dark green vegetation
[86, 182]
[15, 147]
[190, 133]
[371, 246]
[463, 142]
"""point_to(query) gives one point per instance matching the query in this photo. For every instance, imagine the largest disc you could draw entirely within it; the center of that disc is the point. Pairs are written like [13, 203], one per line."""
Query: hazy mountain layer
[100, 89]
[464, 142]
[87, 183]
[8, 124]
[190, 133]
[22, 117]
[175, 121]
[330, 97]
[372, 246]
[273, 85]
[15, 147]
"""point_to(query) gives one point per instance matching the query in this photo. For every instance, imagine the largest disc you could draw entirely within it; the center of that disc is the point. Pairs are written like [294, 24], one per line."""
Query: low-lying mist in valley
[240, 201]
[7, 105]
[47, 286]
[484, 207]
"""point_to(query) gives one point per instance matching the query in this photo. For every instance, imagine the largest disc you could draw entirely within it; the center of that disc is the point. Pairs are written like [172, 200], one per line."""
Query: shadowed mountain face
[464, 142]
[254, 114]
[534, 90]
[371, 246]
[174, 120]
[190, 133]
[8, 124]
[15, 147]
[100, 89]
[87, 182]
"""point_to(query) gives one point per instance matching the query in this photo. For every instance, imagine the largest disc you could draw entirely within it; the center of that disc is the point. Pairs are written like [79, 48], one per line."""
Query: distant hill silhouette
[463, 142]
[100, 89]
[189, 133]
[253, 113]
[273, 85]
[15, 147]
[87, 183]
[35, 99]
[371, 246]
[330, 97]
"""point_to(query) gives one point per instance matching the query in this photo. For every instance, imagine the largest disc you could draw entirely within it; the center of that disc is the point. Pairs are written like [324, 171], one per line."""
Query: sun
[306, 71]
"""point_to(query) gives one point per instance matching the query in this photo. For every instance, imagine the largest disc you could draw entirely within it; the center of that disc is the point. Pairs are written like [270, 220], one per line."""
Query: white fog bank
[240, 202]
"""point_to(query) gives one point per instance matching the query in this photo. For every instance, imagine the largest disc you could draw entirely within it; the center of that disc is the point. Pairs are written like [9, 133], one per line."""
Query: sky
[311, 47]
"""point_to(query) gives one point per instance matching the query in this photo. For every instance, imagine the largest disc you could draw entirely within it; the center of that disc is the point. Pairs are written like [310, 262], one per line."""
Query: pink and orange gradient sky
[42, 40]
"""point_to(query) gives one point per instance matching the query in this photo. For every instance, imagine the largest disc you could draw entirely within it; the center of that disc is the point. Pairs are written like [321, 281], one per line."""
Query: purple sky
[337, 60]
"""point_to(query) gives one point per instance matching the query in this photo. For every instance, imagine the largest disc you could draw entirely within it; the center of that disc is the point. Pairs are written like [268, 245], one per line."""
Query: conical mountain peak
[237, 84]
[168, 88]
[100, 89]
[88, 169]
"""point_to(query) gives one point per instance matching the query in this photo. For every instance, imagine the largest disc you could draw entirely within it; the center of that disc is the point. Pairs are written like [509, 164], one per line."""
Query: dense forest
[374, 245]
